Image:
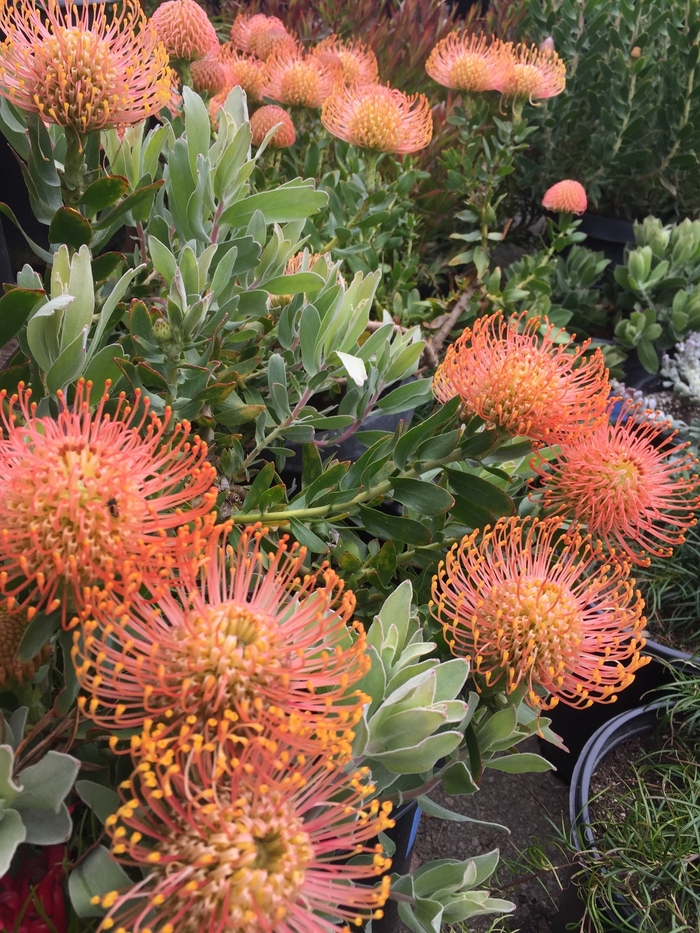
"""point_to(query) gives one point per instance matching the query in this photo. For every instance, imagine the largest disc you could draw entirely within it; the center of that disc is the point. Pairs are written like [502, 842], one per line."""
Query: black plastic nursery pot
[403, 834]
[619, 729]
[607, 235]
[576, 726]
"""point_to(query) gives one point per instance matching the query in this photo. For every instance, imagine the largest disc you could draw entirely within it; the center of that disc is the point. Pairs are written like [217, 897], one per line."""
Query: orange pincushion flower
[248, 840]
[297, 80]
[264, 119]
[566, 197]
[244, 71]
[469, 63]
[85, 495]
[185, 30]
[260, 35]
[209, 76]
[629, 482]
[541, 614]
[81, 67]
[377, 117]
[250, 642]
[358, 61]
[532, 73]
[527, 384]
[13, 671]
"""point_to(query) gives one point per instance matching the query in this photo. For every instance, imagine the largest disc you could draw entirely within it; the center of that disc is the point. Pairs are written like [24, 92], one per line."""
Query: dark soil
[532, 806]
[679, 408]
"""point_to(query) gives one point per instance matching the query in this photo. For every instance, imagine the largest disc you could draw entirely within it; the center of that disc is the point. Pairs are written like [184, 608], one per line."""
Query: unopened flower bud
[636, 52]
[162, 330]
[547, 44]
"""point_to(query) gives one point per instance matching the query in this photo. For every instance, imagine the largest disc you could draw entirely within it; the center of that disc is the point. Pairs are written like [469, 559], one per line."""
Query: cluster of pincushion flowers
[268, 62]
[232, 665]
[545, 605]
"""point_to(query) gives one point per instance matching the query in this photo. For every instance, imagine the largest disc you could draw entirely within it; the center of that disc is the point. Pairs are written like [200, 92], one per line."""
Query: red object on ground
[44, 873]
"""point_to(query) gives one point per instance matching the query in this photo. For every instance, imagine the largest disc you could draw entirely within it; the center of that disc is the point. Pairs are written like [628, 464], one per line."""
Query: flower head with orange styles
[298, 80]
[357, 61]
[566, 197]
[85, 496]
[210, 76]
[244, 638]
[82, 67]
[380, 118]
[529, 384]
[541, 614]
[185, 30]
[532, 73]
[630, 483]
[244, 71]
[246, 839]
[12, 670]
[260, 35]
[262, 121]
[469, 63]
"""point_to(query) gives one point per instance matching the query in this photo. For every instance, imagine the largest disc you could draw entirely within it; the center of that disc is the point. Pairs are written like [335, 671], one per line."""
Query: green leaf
[105, 264]
[40, 251]
[294, 284]
[15, 308]
[46, 827]
[384, 562]
[422, 496]
[260, 484]
[482, 493]
[103, 801]
[281, 205]
[103, 366]
[311, 465]
[37, 634]
[420, 757]
[46, 784]
[306, 537]
[103, 193]
[95, 876]
[498, 728]
[135, 199]
[69, 226]
[69, 365]
[406, 397]
[394, 527]
[163, 260]
[8, 788]
[412, 439]
[519, 764]
[648, 356]
[12, 833]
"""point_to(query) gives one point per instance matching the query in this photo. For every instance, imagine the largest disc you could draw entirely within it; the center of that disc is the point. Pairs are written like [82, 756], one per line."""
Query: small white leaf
[354, 366]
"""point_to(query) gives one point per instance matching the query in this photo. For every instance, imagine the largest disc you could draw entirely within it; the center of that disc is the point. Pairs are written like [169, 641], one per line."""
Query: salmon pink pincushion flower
[244, 637]
[629, 482]
[83, 67]
[185, 30]
[469, 63]
[566, 197]
[84, 496]
[260, 35]
[532, 73]
[357, 61]
[246, 839]
[262, 121]
[380, 118]
[541, 614]
[529, 384]
[298, 80]
[209, 76]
